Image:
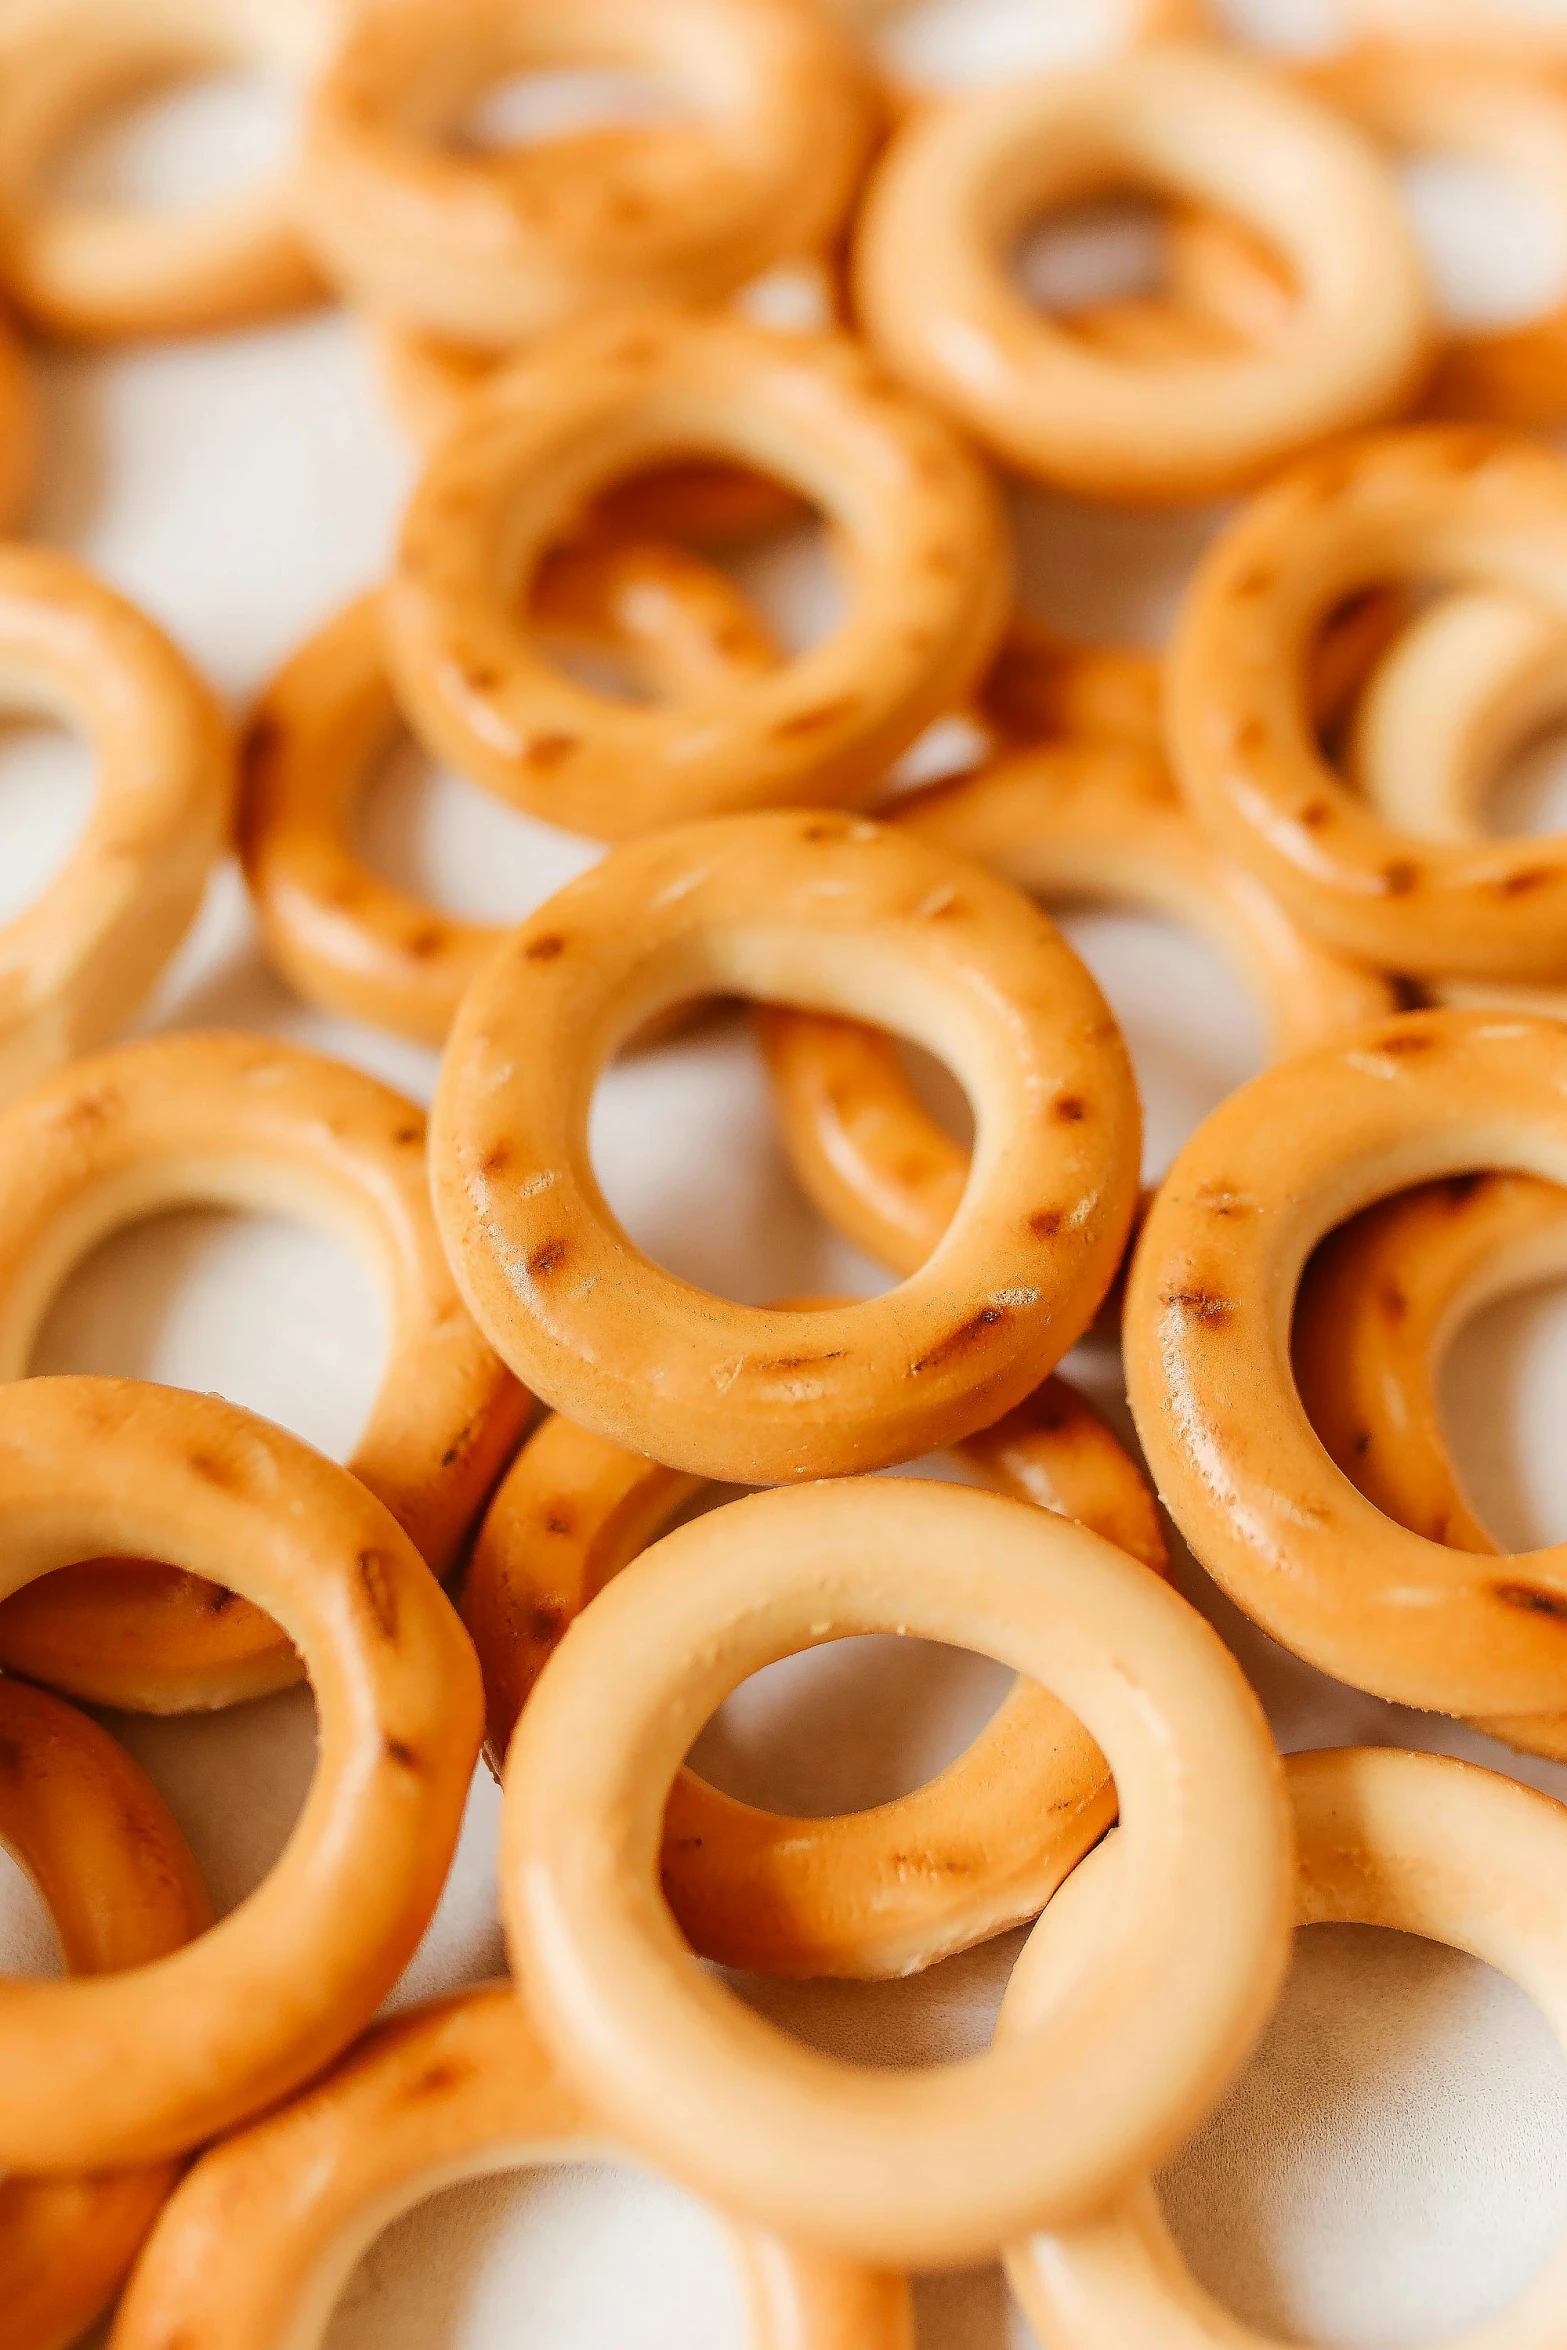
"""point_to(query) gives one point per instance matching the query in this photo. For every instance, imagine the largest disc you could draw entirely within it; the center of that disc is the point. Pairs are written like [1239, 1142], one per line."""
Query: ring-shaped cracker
[461, 2088]
[925, 2168]
[491, 247]
[1418, 100]
[342, 936]
[115, 272]
[1206, 1335]
[116, 1876]
[1460, 503]
[240, 1121]
[1417, 1843]
[918, 530]
[872, 1893]
[115, 2069]
[834, 913]
[76, 964]
[1517, 32]
[962, 181]
[1379, 1305]
[1065, 822]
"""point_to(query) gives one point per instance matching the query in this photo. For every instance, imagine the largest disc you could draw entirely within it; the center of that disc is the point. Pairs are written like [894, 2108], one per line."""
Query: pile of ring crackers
[202, 2122]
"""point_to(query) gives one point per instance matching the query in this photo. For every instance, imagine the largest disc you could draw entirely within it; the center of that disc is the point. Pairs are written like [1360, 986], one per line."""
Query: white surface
[1393, 2164]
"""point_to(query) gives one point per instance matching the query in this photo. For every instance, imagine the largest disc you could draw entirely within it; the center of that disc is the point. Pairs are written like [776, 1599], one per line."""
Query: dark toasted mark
[931, 1864]
[1532, 1600]
[546, 1624]
[496, 1159]
[1439, 1527]
[429, 940]
[219, 1599]
[406, 1136]
[1070, 1108]
[1400, 877]
[1403, 1043]
[210, 1469]
[816, 720]
[1393, 1302]
[801, 1362]
[458, 1446]
[826, 828]
[1408, 994]
[397, 1750]
[1533, 877]
[1202, 1305]
[1362, 1444]
[547, 1258]
[481, 679]
[379, 1590]
[1219, 1200]
[549, 751]
[545, 949]
[1045, 1223]
[958, 1341]
[558, 1519]
[688, 1843]
[1315, 814]
[263, 738]
[10, 1759]
[436, 2079]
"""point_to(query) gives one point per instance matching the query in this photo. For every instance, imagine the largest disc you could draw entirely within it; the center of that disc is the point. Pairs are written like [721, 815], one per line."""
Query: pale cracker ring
[130, 2068]
[491, 248]
[1462, 503]
[927, 2168]
[245, 1121]
[114, 273]
[262, 2236]
[75, 965]
[1417, 1843]
[961, 181]
[340, 935]
[1466, 684]
[918, 531]
[824, 911]
[1206, 1338]
[116, 1876]
[1379, 1304]
[869, 1894]
[1066, 822]
[1416, 99]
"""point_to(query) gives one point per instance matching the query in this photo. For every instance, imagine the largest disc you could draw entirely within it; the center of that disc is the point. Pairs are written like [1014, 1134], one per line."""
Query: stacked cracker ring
[571, 329]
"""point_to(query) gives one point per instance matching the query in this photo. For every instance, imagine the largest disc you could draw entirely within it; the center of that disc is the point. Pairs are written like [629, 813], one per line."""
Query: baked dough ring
[243, 1121]
[1065, 822]
[1378, 1307]
[919, 533]
[1206, 1335]
[961, 181]
[831, 912]
[19, 430]
[872, 1893]
[339, 934]
[1417, 1843]
[265, 2232]
[115, 1874]
[111, 273]
[489, 248]
[1462, 503]
[927, 2167]
[77, 963]
[129, 2068]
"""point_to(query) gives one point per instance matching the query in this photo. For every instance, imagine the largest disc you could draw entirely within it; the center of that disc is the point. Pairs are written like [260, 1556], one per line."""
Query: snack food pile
[202, 2125]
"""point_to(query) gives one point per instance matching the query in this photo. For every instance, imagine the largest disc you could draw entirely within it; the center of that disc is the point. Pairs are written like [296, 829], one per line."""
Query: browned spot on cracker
[379, 1589]
[398, 1750]
[545, 949]
[1070, 1108]
[549, 751]
[1045, 1223]
[958, 1341]
[1202, 1305]
[547, 1258]
[1400, 877]
[1520, 885]
[1532, 1600]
